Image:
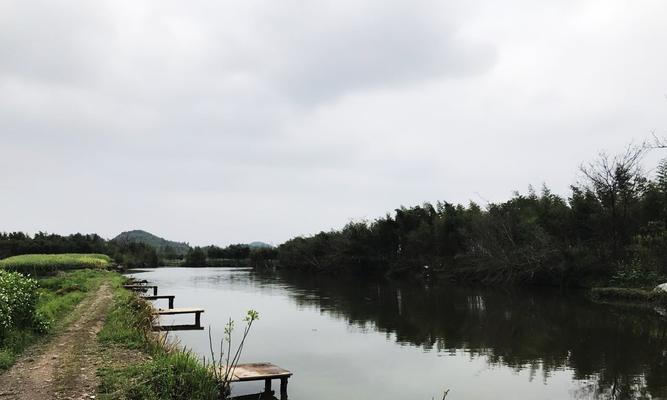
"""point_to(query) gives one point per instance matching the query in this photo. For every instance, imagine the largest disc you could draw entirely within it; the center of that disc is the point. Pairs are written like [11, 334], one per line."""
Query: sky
[218, 122]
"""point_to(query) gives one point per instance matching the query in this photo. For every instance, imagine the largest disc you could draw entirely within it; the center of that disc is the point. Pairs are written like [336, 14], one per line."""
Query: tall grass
[44, 264]
[169, 374]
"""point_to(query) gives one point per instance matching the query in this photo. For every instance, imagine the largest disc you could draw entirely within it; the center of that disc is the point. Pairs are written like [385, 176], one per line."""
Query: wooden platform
[186, 327]
[170, 297]
[142, 288]
[177, 311]
[262, 371]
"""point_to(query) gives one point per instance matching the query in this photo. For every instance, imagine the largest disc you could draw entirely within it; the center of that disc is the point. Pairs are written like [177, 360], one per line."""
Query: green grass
[169, 374]
[176, 375]
[43, 264]
[58, 296]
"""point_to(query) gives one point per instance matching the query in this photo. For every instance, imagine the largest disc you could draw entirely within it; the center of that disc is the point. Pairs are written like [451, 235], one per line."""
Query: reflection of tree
[623, 387]
[620, 350]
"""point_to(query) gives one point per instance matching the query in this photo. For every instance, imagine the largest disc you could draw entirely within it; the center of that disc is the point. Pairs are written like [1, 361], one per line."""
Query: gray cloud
[260, 120]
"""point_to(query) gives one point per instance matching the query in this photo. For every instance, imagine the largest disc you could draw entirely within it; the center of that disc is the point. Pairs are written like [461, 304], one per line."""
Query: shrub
[18, 302]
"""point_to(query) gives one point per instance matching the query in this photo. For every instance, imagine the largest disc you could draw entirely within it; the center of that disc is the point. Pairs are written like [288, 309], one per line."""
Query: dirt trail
[64, 367]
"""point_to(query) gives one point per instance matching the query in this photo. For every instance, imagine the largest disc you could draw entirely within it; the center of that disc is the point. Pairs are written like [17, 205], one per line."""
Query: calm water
[345, 339]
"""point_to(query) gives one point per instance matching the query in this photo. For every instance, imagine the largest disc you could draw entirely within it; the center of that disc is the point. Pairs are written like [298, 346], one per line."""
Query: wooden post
[154, 290]
[267, 385]
[171, 303]
[198, 319]
[283, 388]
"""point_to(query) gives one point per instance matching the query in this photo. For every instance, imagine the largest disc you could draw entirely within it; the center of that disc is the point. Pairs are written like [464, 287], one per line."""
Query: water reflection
[617, 353]
[420, 339]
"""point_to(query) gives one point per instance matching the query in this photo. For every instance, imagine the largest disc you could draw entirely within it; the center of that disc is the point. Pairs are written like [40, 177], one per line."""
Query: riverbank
[161, 370]
[98, 344]
[628, 295]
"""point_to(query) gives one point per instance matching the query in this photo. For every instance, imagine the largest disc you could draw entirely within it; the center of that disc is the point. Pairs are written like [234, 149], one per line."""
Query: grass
[58, 296]
[169, 373]
[44, 264]
[628, 295]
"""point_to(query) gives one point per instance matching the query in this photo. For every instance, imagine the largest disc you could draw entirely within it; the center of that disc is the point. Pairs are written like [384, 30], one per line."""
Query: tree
[618, 183]
[195, 258]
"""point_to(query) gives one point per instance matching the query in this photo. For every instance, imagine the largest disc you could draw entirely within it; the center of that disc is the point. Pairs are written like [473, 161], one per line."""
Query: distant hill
[257, 245]
[162, 246]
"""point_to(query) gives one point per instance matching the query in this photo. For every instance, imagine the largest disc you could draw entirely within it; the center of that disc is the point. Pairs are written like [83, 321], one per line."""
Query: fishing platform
[178, 311]
[262, 371]
[142, 288]
[169, 297]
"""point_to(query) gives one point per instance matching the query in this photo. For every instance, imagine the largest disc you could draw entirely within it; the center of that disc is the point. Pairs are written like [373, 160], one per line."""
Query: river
[346, 338]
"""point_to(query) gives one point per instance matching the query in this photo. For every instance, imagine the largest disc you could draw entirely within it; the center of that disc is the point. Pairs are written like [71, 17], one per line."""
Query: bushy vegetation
[613, 225]
[40, 264]
[126, 254]
[18, 303]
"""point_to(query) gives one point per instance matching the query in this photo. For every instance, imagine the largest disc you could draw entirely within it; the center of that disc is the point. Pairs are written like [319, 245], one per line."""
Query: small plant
[225, 363]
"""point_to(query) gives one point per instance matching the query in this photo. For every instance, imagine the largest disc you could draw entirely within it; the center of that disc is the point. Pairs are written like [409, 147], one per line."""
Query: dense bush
[18, 303]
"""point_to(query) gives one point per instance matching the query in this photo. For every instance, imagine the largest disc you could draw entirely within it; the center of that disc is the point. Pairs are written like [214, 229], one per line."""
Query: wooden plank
[139, 286]
[258, 371]
[162, 296]
[174, 311]
[178, 328]
[142, 288]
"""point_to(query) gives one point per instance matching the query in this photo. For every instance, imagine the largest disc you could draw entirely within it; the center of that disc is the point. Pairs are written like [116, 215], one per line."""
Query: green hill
[162, 246]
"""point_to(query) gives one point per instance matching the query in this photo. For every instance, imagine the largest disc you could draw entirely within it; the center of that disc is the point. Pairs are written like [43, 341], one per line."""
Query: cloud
[260, 120]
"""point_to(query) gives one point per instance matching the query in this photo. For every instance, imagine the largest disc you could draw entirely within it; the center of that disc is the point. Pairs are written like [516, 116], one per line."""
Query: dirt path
[64, 367]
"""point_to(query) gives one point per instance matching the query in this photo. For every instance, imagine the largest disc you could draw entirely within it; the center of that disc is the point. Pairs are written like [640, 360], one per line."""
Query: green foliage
[615, 217]
[233, 251]
[41, 264]
[135, 255]
[18, 303]
[129, 322]
[176, 375]
[195, 258]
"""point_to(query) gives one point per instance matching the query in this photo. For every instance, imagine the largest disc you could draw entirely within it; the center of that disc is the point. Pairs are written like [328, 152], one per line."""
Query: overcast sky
[233, 121]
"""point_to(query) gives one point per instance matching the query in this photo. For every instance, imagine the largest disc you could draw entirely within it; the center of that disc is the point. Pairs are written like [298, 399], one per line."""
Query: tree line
[611, 227]
[232, 255]
[127, 254]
